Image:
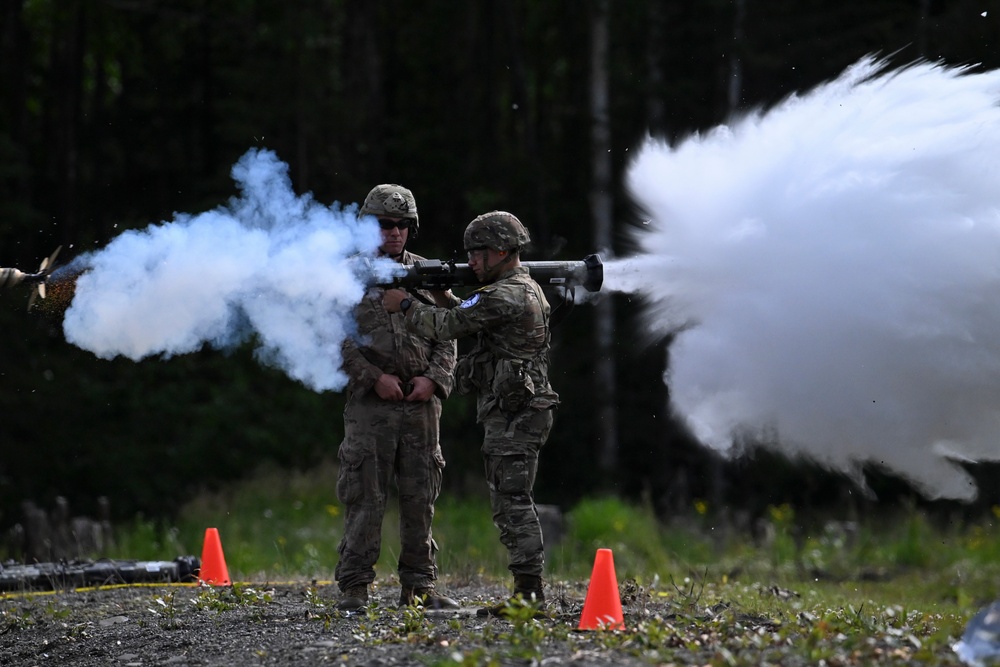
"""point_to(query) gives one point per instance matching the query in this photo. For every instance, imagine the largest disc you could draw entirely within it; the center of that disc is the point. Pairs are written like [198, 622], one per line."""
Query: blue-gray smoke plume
[836, 263]
[271, 264]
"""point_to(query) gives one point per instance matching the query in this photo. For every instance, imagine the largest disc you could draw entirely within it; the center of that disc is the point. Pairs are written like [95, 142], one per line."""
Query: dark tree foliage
[115, 114]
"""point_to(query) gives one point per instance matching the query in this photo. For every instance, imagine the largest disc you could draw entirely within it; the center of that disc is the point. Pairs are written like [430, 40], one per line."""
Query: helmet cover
[392, 201]
[498, 230]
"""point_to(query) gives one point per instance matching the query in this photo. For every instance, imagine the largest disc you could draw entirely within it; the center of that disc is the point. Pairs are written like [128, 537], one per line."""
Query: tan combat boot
[426, 597]
[529, 587]
[527, 590]
[354, 598]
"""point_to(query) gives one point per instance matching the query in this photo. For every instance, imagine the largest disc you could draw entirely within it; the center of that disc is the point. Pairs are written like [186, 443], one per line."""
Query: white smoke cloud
[837, 261]
[270, 263]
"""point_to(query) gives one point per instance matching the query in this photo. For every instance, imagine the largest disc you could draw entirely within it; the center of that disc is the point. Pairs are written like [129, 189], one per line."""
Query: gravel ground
[289, 624]
[298, 624]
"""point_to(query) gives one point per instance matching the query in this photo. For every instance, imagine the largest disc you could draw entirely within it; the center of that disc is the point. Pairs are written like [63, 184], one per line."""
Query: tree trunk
[64, 100]
[734, 90]
[16, 175]
[13, 66]
[655, 109]
[601, 210]
[923, 14]
[525, 118]
[362, 72]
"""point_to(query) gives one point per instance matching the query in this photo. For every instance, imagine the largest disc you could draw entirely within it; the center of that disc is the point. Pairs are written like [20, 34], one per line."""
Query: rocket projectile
[9, 277]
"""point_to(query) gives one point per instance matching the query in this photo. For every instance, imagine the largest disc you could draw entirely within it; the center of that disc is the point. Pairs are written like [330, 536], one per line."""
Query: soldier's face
[395, 231]
[485, 263]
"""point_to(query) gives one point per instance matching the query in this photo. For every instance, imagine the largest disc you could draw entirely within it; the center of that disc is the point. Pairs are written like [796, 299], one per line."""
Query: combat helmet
[498, 230]
[392, 201]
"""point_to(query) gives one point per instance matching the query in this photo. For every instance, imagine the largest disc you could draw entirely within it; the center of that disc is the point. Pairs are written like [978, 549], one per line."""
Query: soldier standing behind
[397, 380]
[508, 369]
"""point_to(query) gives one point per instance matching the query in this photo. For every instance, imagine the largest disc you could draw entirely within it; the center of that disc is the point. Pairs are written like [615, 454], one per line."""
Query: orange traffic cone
[603, 606]
[213, 563]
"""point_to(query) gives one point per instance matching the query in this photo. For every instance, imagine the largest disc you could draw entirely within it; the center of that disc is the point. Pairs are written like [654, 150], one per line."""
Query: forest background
[115, 114]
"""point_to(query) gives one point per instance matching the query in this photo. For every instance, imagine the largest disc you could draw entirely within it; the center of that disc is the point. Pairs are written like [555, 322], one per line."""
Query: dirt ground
[292, 624]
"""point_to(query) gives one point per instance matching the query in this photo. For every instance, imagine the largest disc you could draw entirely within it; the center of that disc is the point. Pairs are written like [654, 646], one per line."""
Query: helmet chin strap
[506, 256]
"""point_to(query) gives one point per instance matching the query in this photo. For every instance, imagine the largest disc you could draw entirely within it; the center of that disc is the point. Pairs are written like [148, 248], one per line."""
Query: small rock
[114, 620]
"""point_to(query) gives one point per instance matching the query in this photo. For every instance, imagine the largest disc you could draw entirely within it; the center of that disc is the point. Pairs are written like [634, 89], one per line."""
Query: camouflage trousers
[510, 453]
[386, 442]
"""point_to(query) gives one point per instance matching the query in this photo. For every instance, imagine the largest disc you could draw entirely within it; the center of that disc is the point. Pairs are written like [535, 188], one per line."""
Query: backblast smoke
[270, 266]
[832, 266]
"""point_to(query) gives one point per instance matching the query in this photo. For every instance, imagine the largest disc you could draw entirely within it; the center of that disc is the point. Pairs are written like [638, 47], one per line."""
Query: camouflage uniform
[390, 439]
[508, 368]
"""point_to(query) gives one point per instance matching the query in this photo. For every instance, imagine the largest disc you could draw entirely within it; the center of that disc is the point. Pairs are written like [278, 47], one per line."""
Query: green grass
[287, 525]
[275, 524]
[280, 524]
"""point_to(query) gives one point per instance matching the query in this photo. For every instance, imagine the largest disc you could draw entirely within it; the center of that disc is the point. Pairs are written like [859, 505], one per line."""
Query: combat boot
[527, 590]
[354, 598]
[426, 597]
[529, 587]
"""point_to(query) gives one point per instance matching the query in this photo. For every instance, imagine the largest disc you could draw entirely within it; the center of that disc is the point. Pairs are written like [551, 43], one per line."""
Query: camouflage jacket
[383, 344]
[509, 366]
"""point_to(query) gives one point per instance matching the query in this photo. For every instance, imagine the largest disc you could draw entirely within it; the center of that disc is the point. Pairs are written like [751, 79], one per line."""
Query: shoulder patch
[470, 302]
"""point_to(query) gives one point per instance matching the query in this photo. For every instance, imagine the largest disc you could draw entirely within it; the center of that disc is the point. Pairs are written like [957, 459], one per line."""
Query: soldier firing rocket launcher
[10, 277]
[433, 274]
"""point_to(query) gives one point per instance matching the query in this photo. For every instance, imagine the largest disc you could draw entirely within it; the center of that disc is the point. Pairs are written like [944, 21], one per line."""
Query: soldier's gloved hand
[423, 389]
[389, 387]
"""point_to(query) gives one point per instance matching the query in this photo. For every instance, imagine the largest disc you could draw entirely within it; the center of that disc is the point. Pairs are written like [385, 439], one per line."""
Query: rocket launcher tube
[433, 274]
